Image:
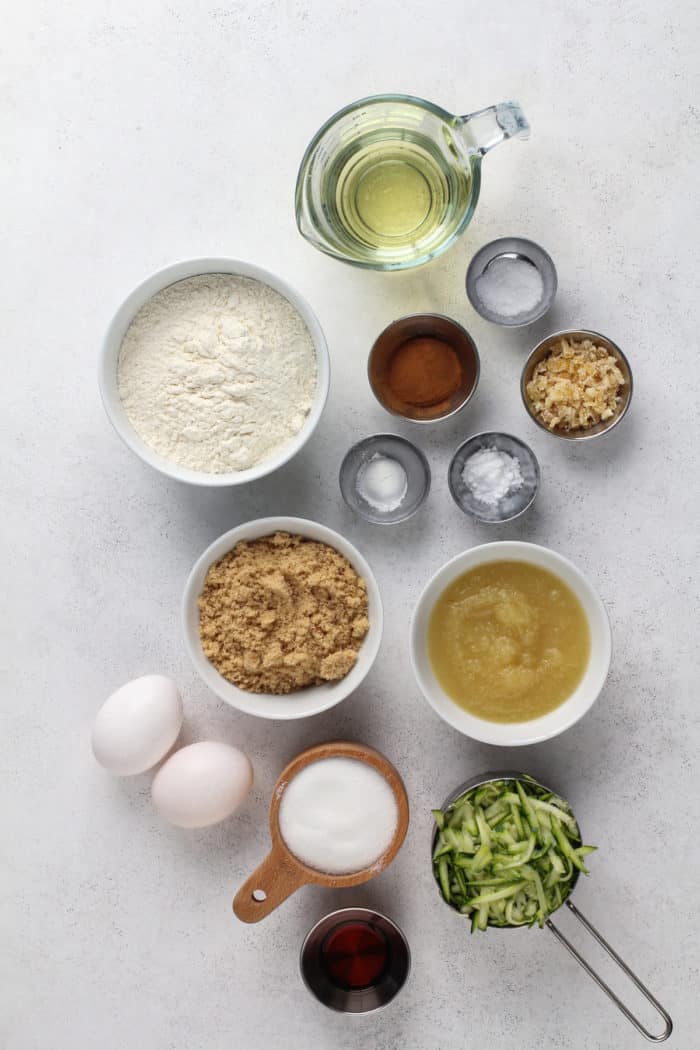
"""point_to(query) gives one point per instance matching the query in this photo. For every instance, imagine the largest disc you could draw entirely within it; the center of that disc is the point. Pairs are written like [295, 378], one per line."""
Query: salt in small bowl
[509, 248]
[514, 503]
[393, 447]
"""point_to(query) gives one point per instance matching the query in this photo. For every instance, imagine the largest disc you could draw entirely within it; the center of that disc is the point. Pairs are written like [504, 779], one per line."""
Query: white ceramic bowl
[109, 358]
[315, 698]
[511, 734]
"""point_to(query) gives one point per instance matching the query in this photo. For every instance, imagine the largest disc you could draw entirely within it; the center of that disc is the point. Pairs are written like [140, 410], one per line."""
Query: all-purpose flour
[217, 372]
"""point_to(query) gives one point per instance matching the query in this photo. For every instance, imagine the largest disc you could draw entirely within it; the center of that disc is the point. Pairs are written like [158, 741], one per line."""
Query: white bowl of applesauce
[510, 643]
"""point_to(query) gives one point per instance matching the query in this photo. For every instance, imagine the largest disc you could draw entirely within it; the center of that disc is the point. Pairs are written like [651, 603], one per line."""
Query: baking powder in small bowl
[491, 474]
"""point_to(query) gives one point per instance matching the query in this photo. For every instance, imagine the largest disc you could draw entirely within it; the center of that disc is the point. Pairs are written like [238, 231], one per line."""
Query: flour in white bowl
[217, 373]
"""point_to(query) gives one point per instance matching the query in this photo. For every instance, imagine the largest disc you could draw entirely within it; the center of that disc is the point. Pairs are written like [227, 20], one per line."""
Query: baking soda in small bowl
[494, 477]
[384, 479]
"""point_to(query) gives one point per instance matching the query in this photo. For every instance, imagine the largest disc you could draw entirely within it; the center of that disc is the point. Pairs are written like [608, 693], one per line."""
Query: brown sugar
[282, 612]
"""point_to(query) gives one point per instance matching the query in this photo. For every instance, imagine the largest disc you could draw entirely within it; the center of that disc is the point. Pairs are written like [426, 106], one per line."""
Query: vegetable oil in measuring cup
[396, 195]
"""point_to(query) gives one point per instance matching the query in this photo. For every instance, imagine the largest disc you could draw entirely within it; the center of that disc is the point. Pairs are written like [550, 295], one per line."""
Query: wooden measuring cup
[281, 873]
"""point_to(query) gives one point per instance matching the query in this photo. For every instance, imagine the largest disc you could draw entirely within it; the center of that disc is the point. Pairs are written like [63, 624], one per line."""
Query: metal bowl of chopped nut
[576, 385]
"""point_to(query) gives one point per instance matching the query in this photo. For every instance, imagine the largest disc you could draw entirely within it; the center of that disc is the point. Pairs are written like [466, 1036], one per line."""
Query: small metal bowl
[359, 1000]
[415, 326]
[511, 247]
[512, 505]
[394, 447]
[577, 336]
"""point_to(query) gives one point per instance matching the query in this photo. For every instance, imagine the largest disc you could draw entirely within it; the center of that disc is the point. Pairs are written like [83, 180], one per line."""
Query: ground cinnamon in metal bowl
[423, 367]
[282, 612]
[424, 372]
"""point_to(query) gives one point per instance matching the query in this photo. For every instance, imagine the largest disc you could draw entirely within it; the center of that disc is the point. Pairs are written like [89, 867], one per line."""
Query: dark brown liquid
[355, 955]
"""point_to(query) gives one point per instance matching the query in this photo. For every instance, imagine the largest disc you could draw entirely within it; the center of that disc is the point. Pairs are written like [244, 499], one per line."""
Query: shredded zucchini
[506, 853]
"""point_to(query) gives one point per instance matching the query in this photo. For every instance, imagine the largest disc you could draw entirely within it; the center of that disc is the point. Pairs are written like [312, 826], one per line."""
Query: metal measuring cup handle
[668, 1023]
[509, 774]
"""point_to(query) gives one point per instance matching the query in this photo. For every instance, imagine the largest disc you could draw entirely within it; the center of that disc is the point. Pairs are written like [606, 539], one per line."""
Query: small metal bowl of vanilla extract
[424, 368]
[355, 960]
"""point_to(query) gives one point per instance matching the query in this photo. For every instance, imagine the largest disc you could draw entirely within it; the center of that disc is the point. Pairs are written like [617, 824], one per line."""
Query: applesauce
[508, 641]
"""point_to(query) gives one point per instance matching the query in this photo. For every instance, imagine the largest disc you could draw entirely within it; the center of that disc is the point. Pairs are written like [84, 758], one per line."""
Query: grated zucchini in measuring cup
[507, 853]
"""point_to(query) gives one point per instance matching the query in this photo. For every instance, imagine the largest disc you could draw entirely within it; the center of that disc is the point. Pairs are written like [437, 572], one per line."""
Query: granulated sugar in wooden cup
[282, 873]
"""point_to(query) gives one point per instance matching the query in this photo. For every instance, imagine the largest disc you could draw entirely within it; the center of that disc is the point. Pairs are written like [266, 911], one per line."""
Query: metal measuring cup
[487, 778]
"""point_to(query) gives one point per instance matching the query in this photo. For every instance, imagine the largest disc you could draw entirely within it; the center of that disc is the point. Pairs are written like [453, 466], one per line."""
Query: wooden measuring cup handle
[273, 881]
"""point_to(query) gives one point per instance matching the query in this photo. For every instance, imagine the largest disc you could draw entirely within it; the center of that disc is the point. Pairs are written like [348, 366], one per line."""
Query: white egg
[202, 784]
[137, 725]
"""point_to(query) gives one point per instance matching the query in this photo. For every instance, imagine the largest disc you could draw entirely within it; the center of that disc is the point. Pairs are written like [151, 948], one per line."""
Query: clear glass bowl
[444, 151]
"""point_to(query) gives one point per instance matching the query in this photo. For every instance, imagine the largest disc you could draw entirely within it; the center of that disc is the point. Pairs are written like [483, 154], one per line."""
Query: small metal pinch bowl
[512, 248]
[355, 1000]
[578, 335]
[423, 326]
[392, 447]
[515, 502]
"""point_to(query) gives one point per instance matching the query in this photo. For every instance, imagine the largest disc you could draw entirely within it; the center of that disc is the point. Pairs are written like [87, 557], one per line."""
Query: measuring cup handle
[487, 127]
[270, 884]
[668, 1023]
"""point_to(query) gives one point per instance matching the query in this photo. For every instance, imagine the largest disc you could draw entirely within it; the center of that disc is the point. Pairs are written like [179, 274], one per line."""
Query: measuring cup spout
[486, 128]
[305, 224]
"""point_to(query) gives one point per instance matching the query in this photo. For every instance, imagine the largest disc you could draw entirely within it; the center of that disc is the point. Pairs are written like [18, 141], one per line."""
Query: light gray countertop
[138, 134]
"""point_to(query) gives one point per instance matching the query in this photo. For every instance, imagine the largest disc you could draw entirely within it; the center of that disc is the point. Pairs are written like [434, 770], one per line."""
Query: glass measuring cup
[391, 181]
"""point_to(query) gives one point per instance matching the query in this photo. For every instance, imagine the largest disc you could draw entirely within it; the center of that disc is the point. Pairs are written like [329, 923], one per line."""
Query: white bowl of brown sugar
[282, 617]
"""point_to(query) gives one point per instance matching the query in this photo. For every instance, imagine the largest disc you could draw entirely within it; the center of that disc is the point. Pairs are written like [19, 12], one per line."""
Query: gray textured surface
[138, 134]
